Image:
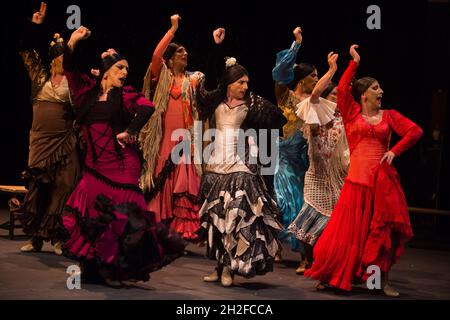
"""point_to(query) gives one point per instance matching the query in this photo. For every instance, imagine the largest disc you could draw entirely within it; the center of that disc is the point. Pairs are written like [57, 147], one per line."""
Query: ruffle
[308, 225]
[186, 220]
[390, 220]
[239, 213]
[316, 113]
[62, 145]
[361, 229]
[47, 228]
[339, 250]
[122, 237]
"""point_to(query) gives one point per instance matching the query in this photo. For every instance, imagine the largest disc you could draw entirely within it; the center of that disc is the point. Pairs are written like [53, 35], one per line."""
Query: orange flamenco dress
[371, 211]
[176, 200]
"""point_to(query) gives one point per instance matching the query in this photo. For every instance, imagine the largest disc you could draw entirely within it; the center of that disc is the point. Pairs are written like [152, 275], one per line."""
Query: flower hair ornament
[56, 46]
[57, 40]
[230, 62]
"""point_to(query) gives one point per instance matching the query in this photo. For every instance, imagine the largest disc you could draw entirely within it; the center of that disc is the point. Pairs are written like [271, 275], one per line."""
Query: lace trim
[111, 183]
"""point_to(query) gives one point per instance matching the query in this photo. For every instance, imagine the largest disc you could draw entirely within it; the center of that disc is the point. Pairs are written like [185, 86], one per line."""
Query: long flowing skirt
[361, 231]
[52, 173]
[238, 218]
[289, 183]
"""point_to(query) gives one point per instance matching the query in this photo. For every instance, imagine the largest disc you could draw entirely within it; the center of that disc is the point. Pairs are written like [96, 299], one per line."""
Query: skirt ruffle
[178, 201]
[238, 218]
[309, 225]
[360, 231]
[49, 187]
[109, 226]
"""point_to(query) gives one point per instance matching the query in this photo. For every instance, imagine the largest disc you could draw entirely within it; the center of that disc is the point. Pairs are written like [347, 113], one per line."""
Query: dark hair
[360, 86]
[55, 51]
[170, 51]
[328, 90]
[57, 47]
[110, 60]
[301, 71]
[212, 99]
[232, 74]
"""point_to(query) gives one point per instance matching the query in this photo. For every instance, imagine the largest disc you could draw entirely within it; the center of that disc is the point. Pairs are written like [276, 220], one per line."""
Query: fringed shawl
[151, 134]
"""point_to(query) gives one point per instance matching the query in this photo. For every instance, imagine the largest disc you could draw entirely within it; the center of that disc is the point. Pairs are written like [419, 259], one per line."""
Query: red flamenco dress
[371, 210]
[106, 218]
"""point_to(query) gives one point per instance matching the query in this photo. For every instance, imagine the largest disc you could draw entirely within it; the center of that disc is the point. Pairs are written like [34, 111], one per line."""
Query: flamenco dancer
[109, 230]
[53, 165]
[328, 161]
[370, 223]
[172, 188]
[238, 216]
[293, 83]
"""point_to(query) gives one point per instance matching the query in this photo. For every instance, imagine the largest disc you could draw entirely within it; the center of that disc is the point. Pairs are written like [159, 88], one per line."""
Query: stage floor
[420, 274]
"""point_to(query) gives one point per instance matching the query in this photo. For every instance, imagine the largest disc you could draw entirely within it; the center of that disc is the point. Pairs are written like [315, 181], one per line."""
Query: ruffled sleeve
[316, 113]
[263, 114]
[283, 72]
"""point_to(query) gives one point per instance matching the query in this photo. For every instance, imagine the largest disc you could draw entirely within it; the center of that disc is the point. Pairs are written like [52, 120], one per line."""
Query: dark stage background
[409, 56]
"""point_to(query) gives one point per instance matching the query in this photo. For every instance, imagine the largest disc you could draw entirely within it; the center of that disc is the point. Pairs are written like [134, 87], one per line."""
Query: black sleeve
[71, 58]
[208, 94]
[142, 116]
[34, 36]
[264, 115]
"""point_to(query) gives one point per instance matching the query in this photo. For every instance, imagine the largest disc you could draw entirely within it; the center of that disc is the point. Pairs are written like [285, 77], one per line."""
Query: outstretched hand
[219, 35]
[298, 35]
[354, 54]
[39, 17]
[175, 20]
[332, 61]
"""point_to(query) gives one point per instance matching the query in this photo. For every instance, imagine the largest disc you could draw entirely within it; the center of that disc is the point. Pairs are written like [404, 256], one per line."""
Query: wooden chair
[14, 192]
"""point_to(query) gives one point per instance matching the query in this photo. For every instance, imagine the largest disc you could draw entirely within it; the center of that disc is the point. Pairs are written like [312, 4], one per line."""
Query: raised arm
[28, 51]
[347, 105]
[157, 58]
[283, 72]
[326, 78]
[208, 95]
[78, 83]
